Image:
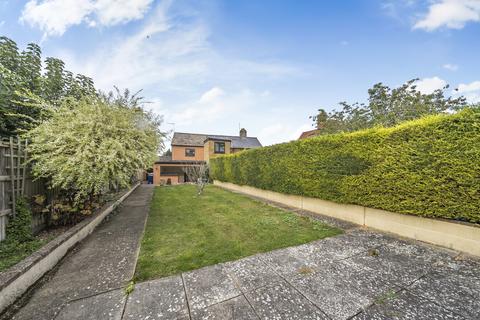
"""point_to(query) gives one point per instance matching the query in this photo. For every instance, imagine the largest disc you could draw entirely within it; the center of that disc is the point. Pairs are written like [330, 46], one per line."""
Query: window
[219, 147]
[189, 152]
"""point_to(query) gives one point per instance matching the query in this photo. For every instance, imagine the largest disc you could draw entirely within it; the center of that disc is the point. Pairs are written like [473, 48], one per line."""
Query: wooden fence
[16, 181]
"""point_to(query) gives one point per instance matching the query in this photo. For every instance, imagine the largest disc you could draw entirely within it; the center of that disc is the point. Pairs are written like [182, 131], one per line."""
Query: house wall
[235, 150]
[159, 179]
[178, 153]
[209, 149]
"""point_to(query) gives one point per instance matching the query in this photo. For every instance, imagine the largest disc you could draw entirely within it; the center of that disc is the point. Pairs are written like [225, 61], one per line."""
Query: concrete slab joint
[459, 236]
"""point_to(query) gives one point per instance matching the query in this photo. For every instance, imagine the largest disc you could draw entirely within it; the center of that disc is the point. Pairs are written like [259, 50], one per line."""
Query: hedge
[428, 167]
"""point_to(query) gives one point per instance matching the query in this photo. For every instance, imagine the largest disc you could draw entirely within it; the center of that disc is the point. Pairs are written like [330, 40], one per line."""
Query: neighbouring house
[193, 149]
[309, 134]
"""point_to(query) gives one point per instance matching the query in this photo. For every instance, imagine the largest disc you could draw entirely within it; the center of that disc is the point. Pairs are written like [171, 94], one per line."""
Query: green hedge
[428, 167]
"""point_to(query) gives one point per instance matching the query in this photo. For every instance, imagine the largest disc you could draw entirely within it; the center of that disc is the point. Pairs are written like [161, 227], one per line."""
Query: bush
[20, 241]
[428, 167]
[20, 227]
[89, 144]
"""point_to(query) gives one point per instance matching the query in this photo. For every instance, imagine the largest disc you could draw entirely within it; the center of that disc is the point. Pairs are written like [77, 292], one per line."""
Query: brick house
[193, 149]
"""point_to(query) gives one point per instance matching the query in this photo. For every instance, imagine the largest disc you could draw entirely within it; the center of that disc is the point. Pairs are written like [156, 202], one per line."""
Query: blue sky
[210, 66]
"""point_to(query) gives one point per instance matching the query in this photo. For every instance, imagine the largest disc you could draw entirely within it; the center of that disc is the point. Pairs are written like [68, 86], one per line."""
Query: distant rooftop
[309, 134]
[197, 140]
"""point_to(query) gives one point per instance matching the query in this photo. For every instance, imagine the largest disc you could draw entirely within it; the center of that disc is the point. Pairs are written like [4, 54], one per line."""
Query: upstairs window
[219, 147]
[189, 152]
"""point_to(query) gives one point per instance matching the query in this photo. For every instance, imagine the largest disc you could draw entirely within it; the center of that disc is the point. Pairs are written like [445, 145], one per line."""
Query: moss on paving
[185, 231]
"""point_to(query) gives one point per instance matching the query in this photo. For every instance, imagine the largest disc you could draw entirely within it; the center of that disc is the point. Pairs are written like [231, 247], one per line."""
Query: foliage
[20, 241]
[186, 232]
[19, 228]
[26, 94]
[386, 107]
[89, 143]
[428, 167]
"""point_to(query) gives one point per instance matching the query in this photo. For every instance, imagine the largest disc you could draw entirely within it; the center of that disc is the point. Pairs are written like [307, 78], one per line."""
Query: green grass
[185, 231]
[12, 252]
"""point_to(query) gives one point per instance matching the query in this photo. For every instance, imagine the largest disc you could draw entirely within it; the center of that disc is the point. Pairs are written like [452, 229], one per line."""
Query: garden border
[16, 280]
[461, 236]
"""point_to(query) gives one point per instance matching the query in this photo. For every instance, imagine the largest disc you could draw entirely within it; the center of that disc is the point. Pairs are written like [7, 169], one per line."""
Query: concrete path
[358, 275]
[103, 262]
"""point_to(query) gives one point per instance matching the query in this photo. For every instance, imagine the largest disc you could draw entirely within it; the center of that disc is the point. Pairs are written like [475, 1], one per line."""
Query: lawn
[185, 231]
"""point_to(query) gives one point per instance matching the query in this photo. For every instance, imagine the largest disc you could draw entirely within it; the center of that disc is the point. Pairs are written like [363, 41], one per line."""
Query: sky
[213, 66]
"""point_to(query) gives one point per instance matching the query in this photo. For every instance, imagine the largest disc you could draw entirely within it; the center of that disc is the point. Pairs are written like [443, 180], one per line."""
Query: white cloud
[451, 67]
[154, 56]
[111, 12]
[471, 91]
[54, 17]
[469, 87]
[453, 14]
[211, 95]
[429, 85]
[208, 108]
[168, 53]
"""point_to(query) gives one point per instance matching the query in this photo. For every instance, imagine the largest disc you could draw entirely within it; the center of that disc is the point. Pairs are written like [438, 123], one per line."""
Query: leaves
[428, 167]
[89, 144]
[386, 107]
[27, 95]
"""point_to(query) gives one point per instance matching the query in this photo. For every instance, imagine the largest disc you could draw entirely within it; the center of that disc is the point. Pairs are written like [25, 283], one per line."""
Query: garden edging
[455, 235]
[16, 280]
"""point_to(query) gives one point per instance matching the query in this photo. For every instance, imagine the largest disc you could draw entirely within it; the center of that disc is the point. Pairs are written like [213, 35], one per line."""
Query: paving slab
[282, 301]
[455, 292]
[342, 289]
[406, 306]
[107, 306]
[251, 273]
[158, 299]
[289, 262]
[209, 285]
[236, 308]
[104, 261]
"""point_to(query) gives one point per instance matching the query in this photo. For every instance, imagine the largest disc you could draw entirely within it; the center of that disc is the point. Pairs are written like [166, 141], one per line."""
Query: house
[309, 134]
[193, 149]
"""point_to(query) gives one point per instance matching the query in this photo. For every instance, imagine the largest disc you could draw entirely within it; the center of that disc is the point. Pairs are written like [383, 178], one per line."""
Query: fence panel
[13, 177]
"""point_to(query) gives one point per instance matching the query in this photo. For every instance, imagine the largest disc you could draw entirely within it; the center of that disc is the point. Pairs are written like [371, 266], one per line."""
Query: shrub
[428, 167]
[20, 241]
[89, 144]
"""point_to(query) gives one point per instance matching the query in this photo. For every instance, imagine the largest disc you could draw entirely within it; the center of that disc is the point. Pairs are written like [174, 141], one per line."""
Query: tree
[89, 143]
[26, 94]
[54, 83]
[199, 175]
[386, 107]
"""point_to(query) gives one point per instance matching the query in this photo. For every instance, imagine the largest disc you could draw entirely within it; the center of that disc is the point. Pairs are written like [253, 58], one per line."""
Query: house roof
[309, 134]
[197, 140]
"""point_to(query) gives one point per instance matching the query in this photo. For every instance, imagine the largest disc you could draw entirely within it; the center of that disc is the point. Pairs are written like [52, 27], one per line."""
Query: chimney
[243, 133]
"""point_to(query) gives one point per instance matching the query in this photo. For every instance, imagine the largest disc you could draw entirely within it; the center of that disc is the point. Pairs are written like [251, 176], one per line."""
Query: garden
[66, 148]
[186, 231]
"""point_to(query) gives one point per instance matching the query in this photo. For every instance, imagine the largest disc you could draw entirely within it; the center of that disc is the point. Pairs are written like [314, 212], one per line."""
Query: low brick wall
[15, 281]
[455, 235]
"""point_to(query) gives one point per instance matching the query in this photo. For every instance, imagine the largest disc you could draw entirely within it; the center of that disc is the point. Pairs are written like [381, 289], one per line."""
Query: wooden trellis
[13, 174]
